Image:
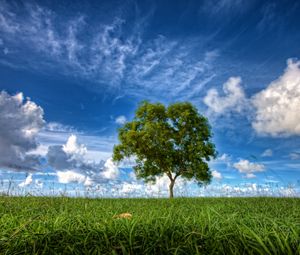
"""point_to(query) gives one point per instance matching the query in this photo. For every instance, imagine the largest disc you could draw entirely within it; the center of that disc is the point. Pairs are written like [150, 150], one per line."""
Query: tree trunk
[171, 186]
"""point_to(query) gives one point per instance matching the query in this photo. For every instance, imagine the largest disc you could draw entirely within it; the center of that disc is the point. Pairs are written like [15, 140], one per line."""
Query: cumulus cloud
[26, 182]
[110, 170]
[21, 120]
[277, 106]
[267, 153]
[71, 163]
[73, 148]
[121, 120]
[248, 168]
[132, 188]
[216, 174]
[73, 177]
[232, 100]
[69, 156]
[160, 188]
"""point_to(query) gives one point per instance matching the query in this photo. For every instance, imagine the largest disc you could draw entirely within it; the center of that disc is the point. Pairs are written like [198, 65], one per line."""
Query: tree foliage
[173, 140]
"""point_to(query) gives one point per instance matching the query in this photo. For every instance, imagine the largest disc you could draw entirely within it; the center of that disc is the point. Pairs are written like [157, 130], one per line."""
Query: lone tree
[174, 141]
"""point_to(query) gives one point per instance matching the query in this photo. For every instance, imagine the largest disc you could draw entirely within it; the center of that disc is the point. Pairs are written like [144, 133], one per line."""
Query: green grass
[31, 225]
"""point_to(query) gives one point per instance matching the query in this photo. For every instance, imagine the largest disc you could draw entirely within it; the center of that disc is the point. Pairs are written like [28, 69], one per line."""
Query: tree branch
[169, 174]
[178, 174]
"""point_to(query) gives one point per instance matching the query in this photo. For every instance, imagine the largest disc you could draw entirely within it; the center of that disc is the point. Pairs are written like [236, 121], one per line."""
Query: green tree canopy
[173, 140]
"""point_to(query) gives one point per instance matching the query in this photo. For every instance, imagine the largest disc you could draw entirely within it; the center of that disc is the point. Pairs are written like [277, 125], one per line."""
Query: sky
[72, 73]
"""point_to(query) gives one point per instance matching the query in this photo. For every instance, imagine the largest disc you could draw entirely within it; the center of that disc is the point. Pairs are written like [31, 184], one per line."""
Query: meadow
[62, 225]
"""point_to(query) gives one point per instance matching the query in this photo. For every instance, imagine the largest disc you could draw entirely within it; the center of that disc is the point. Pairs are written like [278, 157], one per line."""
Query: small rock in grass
[123, 216]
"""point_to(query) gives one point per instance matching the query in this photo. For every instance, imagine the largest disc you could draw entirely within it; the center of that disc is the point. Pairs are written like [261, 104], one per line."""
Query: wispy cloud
[112, 55]
[294, 155]
[267, 153]
[220, 9]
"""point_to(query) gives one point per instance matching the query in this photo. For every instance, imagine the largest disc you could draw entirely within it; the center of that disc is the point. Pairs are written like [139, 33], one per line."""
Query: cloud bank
[21, 120]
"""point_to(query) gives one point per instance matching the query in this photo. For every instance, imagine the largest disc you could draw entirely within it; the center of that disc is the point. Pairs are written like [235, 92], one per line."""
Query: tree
[175, 141]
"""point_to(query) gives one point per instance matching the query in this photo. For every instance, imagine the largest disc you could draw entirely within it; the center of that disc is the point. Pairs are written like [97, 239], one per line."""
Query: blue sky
[72, 73]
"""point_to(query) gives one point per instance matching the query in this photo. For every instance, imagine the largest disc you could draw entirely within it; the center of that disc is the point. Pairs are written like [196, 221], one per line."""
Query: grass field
[32, 225]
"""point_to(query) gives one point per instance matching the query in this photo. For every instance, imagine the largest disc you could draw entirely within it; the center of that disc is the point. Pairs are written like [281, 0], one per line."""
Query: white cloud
[131, 188]
[224, 157]
[171, 68]
[88, 182]
[70, 156]
[211, 55]
[70, 177]
[70, 160]
[21, 120]
[40, 150]
[58, 127]
[233, 99]
[121, 120]
[100, 147]
[216, 174]
[250, 176]
[39, 183]
[295, 155]
[132, 176]
[277, 106]
[248, 168]
[27, 181]
[128, 162]
[267, 153]
[111, 171]
[221, 7]
[73, 148]
[111, 53]
[161, 186]
[137, 188]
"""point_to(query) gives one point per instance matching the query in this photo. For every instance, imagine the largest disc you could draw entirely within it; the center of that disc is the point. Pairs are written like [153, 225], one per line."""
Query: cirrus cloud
[113, 54]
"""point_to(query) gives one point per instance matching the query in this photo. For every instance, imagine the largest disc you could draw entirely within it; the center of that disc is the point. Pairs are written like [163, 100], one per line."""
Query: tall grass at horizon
[49, 225]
